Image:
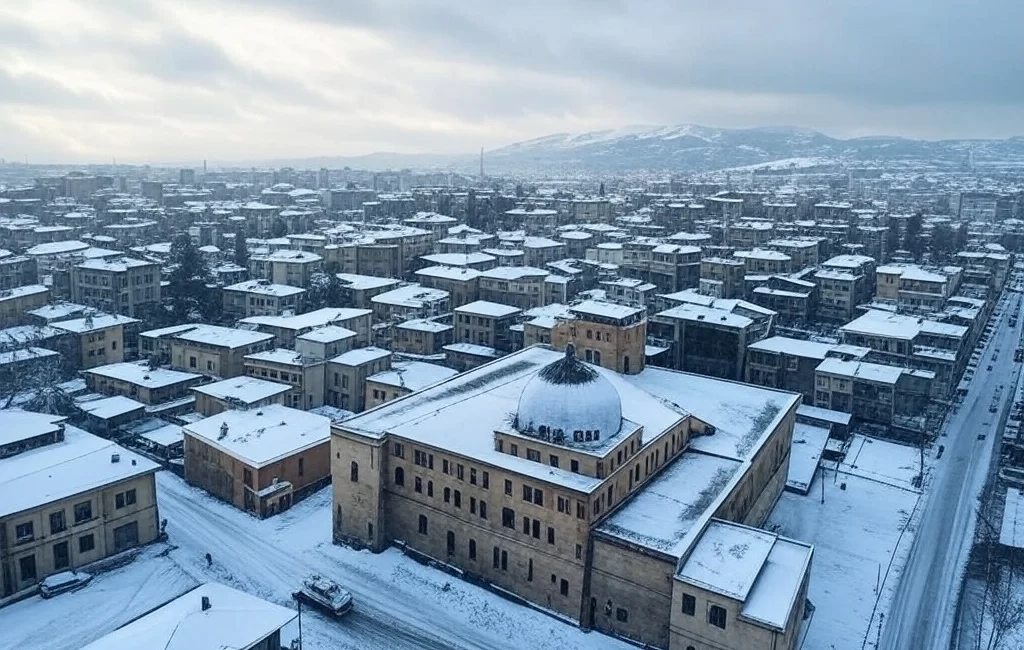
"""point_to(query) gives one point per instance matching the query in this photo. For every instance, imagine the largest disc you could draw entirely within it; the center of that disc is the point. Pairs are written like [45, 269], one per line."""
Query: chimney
[205, 603]
[223, 431]
[115, 458]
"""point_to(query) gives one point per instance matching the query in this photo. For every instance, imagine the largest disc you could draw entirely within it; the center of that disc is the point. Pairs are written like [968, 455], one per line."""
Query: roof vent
[259, 412]
[115, 458]
[205, 603]
[223, 431]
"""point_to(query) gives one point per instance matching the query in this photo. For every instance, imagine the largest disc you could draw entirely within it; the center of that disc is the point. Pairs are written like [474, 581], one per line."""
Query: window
[483, 510]
[472, 476]
[497, 555]
[399, 476]
[430, 488]
[581, 510]
[574, 466]
[689, 604]
[621, 615]
[119, 500]
[24, 532]
[508, 517]
[589, 356]
[353, 472]
[460, 472]
[447, 495]
[529, 571]
[472, 505]
[527, 493]
[551, 535]
[417, 484]
[444, 466]
[57, 523]
[562, 504]
[590, 334]
[422, 527]
[485, 481]
[83, 511]
[536, 528]
[513, 449]
[716, 616]
[86, 543]
[597, 357]
[579, 552]
[61, 557]
[458, 499]
[563, 587]
[508, 486]
[450, 543]
[472, 549]
[504, 560]
[27, 565]
[398, 449]
[553, 460]
[538, 497]
[526, 525]
[533, 454]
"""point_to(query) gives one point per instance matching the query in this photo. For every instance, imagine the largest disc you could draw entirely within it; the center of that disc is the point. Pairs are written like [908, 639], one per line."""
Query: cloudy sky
[183, 80]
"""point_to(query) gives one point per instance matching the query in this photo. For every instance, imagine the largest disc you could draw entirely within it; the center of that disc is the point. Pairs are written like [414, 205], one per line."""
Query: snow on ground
[859, 534]
[883, 461]
[399, 603]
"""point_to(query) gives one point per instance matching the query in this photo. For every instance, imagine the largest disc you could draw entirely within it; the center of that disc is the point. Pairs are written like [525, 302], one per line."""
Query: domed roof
[569, 395]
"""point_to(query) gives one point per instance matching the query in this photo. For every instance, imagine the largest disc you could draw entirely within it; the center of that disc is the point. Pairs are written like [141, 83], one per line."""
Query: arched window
[399, 476]
[353, 472]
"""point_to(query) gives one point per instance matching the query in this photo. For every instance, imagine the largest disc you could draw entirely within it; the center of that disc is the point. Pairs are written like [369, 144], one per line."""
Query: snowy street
[398, 602]
[923, 607]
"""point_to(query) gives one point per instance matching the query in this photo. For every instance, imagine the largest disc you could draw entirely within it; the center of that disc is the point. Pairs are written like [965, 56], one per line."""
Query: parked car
[63, 582]
[326, 595]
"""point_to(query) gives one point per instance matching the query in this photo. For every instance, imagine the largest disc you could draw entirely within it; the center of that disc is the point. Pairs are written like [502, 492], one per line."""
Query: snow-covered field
[862, 536]
[399, 602]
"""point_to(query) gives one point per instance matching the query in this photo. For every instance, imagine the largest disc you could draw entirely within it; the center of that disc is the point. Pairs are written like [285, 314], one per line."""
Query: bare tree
[1005, 608]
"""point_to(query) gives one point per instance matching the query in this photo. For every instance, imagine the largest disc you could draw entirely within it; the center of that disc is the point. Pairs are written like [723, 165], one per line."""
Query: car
[60, 583]
[325, 595]
[990, 366]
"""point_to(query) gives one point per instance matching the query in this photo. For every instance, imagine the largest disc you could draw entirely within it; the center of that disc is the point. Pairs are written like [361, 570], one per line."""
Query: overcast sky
[182, 80]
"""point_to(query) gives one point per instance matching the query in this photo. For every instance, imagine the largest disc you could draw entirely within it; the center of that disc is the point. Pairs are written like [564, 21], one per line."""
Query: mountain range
[691, 148]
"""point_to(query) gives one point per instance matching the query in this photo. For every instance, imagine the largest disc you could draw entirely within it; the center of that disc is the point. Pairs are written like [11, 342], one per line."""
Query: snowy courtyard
[399, 603]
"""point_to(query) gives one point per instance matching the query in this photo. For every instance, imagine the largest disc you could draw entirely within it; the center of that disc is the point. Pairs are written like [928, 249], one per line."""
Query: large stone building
[586, 490]
[118, 286]
[69, 499]
[261, 298]
[216, 351]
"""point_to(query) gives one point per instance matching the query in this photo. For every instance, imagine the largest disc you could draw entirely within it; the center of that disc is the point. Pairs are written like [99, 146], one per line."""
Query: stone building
[486, 323]
[118, 285]
[216, 351]
[519, 286]
[15, 302]
[239, 393]
[99, 339]
[722, 277]
[140, 382]
[305, 375]
[345, 377]
[261, 298]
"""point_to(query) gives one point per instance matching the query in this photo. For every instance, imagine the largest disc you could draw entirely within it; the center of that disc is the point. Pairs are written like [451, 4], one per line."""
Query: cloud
[167, 79]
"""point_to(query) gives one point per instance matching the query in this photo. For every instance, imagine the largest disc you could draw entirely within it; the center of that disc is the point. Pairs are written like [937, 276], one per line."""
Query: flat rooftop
[263, 436]
[265, 288]
[140, 374]
[487, 308]
[247, 390]
[309, 320]
[412, 375]
[222, 336]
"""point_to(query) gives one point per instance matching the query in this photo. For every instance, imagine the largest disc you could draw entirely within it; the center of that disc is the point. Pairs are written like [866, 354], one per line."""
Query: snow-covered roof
[692, 312]
[222, 336]
[665, 516]
[424, 325]
[265, 288]
[247, 390]
[263, 436]
[361, 282]
[234, 620]
[310, 319]
[774, 594]
[25, 354]
[292, 256]
[763, 254]
[111, 407]
[168, 331]
[22, 291]
[282, 356]
[794, 347]
[360, 356]
[861, 370]
[604, 309]
[848, 261]
[727, 559]
[119, 265]
[487, 308]
[461, 273]
[57, 311]
[17, 425]
[514, 273]
[880, 323]
[164, 436]
[472, 349]
[822, 414]
[140, 374]
[80, 463]
[93, 323]
[411, 295]
[57, 248]
[412, 375]
[458, 259]
[1011, 532]
[327, 334]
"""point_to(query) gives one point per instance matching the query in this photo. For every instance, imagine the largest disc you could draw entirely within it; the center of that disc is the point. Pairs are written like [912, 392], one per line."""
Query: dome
[571, 396]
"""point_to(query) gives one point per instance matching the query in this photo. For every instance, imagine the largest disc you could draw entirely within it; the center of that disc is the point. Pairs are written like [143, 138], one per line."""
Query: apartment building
[722, 277]
[873, 392]
[518, 286]
[422, 336]
[16, 302]
[461, 283]
[326, 342]
[789, 364]
[99, 339]
[70, 499]
[214, 350]
[141, 382]
[804, 252]
[564, 503]
[261, 298]
[293, 268]
[305, 374]
[345, 376]
[709, 341]
[358, 290]
[239, 393]
[538, 251]
[16, 270]
[403, 378]
[761, 261]
[261, 461]
[671, 267]
[408, 302]
[117, 285]
[287, 329]
[486, 324]
[795, 300]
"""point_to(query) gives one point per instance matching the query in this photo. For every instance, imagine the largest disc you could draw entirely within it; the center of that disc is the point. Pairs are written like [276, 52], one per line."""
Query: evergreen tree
[943, 242]
[278, 228]
[600, 190]
[241, 250]
[325, 290]
[188, 292]
[892, 240]
[912, 240]
[961, 237]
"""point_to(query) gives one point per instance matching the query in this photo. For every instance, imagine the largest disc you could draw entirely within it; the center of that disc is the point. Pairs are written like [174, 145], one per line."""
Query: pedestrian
[209, 560]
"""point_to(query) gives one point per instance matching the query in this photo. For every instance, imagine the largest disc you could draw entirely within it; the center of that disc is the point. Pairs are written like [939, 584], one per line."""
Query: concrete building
[872, 392]
[345, 380]
[410, 301]
[215, 351]
[259, 461]
[570, 485]
[761, 261]
[261, 298]
[98, 339]
[117, 285]
[461, 283]
[358, 290]
[709, 341]
[422, 337]
[722, 277]
[70, 499]
[403, 378]
[287, 329]
[303, 373]
[486, 324]
[518, 286]
[326, 342]
[294, 268]
[141, 382]
[16, 270]
[238, 393]
[16, 302]
[671, 267]
[789, 364]
[605, 334]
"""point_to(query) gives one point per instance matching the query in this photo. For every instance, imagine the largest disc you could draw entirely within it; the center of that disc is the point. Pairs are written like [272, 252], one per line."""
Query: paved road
[922, 612]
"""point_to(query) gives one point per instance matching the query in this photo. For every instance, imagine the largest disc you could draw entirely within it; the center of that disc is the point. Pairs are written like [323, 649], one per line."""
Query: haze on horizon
[156, 80]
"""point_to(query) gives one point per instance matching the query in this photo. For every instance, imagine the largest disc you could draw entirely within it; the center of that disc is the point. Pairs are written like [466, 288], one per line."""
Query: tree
[189, 295]
[892, 240]
[325, 290]
[961, 237]
[912, 240]
[241, 250]
[278, 228]
[519, 190]
[600, 190]
[943, 242]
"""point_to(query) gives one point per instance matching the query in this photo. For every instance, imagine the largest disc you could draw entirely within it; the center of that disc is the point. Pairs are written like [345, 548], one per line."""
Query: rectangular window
[538, 497]
[86, 543]
[513, 449]
[504, 560]
[447, 495]
[621, 615]
[430, 488]
[27, 566]
[472, 549]
[129, 495]
[574, 466]
[689, 604]
[460, 472]
[579, 552]
[551, 535]
[398, 449]
[417, 484]
[536, 528]
[553, 460]
[532, 454]
[508, 517]
[24, 532]
[581, 510]
[529, 571]
[526, 525]
[444, 466]
[458, 499]
[61, 557]
[57, 523]
[472, 505]
[483, 510]
[508, 486]
[528, 493]
[119, 500]
[563, 588]
[497, 555]
[716, 616]
[485, 481]
[472, 476]
[423, 525]
[83, 511]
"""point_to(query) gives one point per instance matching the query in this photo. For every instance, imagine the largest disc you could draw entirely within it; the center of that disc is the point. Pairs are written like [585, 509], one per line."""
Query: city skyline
[157, 81]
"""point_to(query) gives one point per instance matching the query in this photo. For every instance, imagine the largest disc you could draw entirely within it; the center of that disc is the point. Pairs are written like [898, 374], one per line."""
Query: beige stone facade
[15, 302]
[304, 374]
[118, 286]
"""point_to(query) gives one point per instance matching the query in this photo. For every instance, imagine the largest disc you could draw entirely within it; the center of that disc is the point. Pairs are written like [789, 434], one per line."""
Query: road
[398, 603]
[922, 612]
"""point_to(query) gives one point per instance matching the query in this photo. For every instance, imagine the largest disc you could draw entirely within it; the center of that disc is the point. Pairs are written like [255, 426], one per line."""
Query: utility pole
[822, 482]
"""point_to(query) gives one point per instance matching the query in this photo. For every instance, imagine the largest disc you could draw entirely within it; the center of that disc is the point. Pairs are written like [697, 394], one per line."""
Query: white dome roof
[571, 396]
